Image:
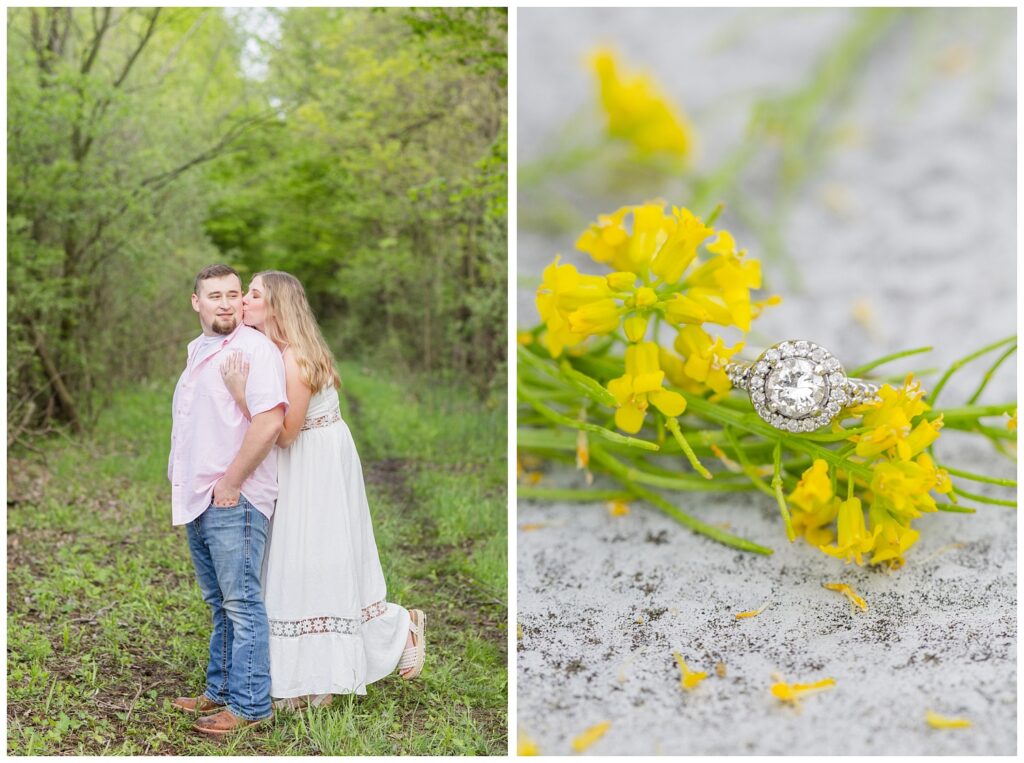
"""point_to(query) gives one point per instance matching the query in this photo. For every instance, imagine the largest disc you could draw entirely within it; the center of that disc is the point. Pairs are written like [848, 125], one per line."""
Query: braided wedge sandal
[306, 700]
[414, 655]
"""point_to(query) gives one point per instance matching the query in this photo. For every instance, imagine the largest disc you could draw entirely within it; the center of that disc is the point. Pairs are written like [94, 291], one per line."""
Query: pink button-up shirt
[209, 427]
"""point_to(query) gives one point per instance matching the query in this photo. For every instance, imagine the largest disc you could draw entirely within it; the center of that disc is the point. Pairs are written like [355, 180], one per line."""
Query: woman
[331, 629]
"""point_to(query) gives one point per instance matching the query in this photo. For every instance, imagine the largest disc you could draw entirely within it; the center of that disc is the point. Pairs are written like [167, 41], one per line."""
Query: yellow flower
[719, 290]
[848, 592]
[562, 294]
[621, 280]
[904, 486]
[814, 487]
[591, 735]
[638, 112]
[854, 538]
[688, 679]
[893, 537]
[607, 242]
[686, 233]
[599, 317]
[1011, 424]
[890, 418]
[813, 506]
[937, 721]
[635, 327]
[704, 367]
[791, 693]
[640, 385]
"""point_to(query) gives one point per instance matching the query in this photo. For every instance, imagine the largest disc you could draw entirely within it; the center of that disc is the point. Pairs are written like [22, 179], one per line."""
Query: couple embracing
[265, 477]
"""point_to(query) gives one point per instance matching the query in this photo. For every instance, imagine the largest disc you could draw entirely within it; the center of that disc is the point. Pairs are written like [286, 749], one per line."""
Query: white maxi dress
[332, 630]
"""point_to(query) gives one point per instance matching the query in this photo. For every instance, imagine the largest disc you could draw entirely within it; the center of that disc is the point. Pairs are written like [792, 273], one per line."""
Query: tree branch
[97, 40]
[159, 181]
[138, 49]
[55, 378]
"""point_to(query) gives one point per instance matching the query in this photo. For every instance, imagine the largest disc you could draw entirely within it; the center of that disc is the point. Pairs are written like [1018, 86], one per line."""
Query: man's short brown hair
[214, 271]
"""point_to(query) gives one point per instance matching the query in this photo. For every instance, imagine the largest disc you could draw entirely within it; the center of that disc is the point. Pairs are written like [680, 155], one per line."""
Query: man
[223, 474]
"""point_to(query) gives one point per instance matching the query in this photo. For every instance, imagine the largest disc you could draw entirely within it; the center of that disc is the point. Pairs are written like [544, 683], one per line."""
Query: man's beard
[224, 328]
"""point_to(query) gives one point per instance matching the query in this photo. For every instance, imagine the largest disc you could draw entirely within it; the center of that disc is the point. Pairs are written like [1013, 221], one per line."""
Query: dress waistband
[315, 422]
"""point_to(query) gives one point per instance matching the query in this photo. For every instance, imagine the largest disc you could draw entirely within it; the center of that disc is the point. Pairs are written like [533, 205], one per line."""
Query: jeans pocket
[232, 506]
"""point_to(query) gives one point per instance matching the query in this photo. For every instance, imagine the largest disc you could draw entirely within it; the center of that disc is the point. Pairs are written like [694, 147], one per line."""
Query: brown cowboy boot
[200, 705]
[224, 722]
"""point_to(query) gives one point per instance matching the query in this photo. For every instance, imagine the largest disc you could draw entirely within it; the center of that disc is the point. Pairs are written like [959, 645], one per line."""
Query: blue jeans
[227, 545]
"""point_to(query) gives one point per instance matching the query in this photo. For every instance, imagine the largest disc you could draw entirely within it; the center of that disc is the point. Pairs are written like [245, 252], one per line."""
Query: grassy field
[105, 624]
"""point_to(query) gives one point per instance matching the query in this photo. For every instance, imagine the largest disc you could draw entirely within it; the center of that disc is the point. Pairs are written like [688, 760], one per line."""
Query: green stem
[558, 418]
[748, 468]
[887, 359]
[957, 365]
[715, 533]
[979, 477]
[779, 497]
[682, 482]
[970, 411]
[986, 499]
[714, 215]
[673, 426]
[753, 423]
[988, 374]
[948, 507]
[568, 494]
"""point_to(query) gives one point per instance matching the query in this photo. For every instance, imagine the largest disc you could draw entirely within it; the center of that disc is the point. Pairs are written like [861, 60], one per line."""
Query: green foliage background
[363, 150]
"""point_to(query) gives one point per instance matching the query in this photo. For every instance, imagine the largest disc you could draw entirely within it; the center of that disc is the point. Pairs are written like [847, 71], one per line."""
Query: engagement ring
[798, 386]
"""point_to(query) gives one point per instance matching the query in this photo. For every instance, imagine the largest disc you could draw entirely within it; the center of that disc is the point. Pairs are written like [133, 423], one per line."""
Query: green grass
[105, 623]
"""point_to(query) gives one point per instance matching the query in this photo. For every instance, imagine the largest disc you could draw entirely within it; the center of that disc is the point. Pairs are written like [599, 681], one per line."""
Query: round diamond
[771, 356]
[818, 355]
[794, 390]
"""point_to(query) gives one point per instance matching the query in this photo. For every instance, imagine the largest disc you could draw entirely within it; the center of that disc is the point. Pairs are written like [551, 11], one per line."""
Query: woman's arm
[298, 400]
[234, 370]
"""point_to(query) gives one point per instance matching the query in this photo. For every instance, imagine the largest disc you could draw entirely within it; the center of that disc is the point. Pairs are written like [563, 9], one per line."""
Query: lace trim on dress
[315, 422]
[312, 625]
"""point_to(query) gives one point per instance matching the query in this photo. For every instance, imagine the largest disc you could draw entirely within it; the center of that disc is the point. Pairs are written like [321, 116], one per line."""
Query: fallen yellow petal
[937, 721]
[750, 613]
[527, 527]
[526, 745]
[591, 735]
[519, 631]
[618, 508]
[848, 593]
[687, 678]
[791, 692]
[720, 669]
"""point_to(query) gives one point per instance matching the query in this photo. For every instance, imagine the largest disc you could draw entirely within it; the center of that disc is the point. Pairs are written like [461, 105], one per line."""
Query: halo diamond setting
[798, 386]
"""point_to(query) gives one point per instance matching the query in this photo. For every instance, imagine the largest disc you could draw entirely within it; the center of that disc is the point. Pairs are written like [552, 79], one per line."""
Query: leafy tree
[369, 159]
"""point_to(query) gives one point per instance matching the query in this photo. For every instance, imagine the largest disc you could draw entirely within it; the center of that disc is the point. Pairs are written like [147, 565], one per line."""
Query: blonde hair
[290, 321]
